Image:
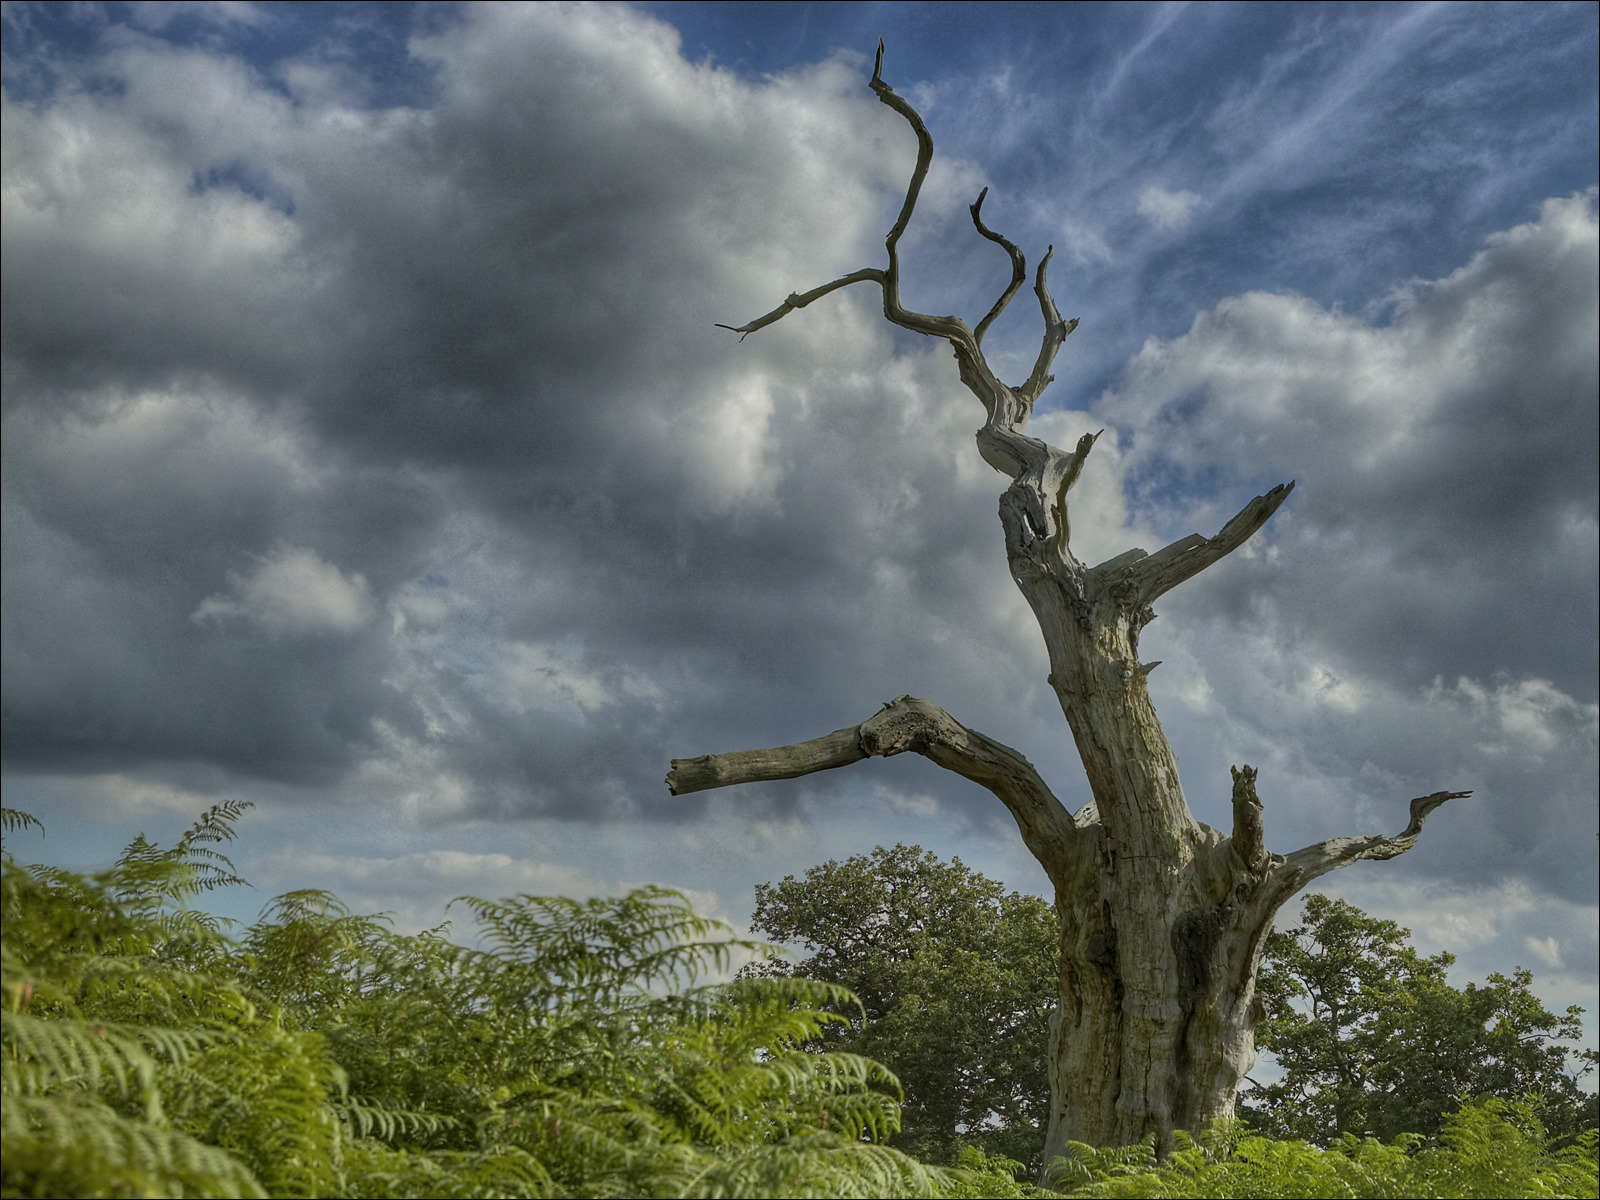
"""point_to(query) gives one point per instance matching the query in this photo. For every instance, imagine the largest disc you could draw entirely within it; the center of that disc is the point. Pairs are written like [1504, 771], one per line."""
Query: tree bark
[1162, 917]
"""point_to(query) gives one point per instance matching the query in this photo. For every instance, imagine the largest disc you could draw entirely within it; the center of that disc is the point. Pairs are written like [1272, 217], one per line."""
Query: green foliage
[956, 980]
[1374, 1042]
[1490, 1149]
[576, 1052]
[122, 1052]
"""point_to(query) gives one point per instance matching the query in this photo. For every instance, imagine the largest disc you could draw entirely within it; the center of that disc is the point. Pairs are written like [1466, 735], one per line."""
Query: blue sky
[371, 453]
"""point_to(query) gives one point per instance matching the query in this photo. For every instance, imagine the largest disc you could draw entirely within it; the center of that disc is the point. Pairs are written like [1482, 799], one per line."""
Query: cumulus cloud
[460, 362]
[293, 592]
[1410, 619]
[284, 359]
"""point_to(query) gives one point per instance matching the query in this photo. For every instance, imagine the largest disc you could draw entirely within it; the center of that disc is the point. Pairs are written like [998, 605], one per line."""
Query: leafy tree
[1375, 1042]
[955, 978]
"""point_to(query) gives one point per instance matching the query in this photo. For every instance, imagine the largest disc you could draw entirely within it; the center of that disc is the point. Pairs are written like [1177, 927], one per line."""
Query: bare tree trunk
[1162, 917]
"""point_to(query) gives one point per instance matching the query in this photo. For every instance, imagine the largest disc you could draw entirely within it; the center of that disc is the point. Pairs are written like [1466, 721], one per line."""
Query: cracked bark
[1162, 917]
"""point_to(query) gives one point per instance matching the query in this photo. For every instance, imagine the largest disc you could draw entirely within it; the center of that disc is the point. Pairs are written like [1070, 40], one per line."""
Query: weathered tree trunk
[1162, 917]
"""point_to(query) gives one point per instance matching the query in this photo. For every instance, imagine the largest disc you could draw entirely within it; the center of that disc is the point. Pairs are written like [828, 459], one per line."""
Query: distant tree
[955, 977]
[1375, 1042]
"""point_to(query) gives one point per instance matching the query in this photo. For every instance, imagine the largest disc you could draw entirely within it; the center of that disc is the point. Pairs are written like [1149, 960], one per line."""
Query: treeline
[957, 979]
[573, 1051]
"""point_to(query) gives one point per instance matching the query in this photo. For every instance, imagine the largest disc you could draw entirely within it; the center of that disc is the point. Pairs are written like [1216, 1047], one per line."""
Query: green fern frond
[72, 1144]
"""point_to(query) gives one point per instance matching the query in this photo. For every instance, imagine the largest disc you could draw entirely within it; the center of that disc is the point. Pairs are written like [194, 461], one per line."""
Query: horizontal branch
[903, 724]
[1291, 874]
[837, 749]
[800, 300]
[1147, 576]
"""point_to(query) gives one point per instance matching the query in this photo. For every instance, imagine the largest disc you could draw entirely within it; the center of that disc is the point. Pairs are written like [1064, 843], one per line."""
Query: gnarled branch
[1069, 476]
[800, 300]
[1055, 332]
[1290, 874]
[903, 724]
[1019, 268]
[975, 372]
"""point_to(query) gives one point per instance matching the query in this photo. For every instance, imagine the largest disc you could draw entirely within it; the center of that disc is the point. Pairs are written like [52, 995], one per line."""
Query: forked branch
[1055, 332]
[967, 344]
[903, 724]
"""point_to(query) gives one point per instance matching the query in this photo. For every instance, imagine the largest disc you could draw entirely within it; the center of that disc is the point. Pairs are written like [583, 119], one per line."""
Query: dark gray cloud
[389, 453]
[341, 436]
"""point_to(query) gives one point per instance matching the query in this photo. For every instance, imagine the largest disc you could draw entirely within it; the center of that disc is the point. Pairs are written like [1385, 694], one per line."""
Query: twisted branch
[967, 344]
[1019, 267]
[800, 300]
[903, 724]
[1069, 476]
[1287, 876]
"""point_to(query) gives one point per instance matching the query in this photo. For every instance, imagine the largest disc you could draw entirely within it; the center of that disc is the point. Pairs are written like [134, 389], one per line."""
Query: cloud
[1167, 210]
[454, 362]
[293, 592]
[459, 363]
[1441, 530]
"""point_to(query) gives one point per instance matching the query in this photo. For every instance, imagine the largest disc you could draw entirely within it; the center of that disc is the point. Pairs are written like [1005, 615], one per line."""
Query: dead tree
[1162, 917]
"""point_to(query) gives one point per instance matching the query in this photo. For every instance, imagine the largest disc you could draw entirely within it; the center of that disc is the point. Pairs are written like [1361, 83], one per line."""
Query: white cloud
[293, 592]
[1546, 950]
[557, 677]
[1531, 717]
[1445, 469]
[1167, 210]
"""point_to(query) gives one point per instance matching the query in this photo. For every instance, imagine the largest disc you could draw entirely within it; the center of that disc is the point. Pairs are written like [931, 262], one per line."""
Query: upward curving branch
[1145, 577]
[1055, 332]
[1281, 877]
[1019, 267]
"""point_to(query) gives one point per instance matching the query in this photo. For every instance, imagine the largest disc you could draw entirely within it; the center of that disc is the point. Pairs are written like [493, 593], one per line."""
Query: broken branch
[1248, 845]
[1301, 867]
[1151, 575]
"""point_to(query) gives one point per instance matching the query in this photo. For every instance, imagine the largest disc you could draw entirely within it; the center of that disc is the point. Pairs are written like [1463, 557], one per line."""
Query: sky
[372, 454]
